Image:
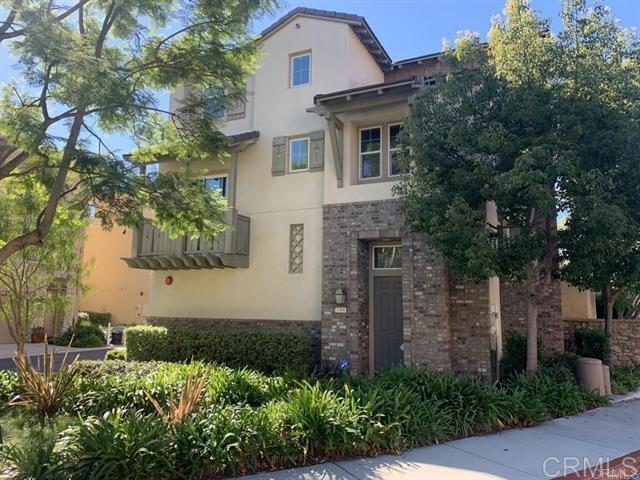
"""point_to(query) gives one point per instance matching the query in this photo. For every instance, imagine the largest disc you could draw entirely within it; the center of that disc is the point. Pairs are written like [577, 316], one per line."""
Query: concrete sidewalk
[553, 449]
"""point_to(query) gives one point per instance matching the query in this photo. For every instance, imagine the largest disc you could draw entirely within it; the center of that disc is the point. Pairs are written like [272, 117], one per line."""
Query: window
[394, 137]
[217, 183]
[296, 247]
[370, 153]
[387, 257]
[301, 70]
[299, 154]
[213, 106]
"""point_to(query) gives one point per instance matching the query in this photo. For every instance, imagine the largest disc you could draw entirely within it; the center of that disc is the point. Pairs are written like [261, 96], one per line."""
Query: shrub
[591, 342]
[625, 378]
[559, 398]
[116, 354]
[9, 386]
[514, 356]
[84, 334]
[98, 318]
[29, 449]
[120, 445]
[266, 351]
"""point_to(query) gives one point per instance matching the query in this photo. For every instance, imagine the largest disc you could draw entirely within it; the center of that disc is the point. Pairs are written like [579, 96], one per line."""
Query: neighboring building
[309, 187]
[111, 286]
[578, 304]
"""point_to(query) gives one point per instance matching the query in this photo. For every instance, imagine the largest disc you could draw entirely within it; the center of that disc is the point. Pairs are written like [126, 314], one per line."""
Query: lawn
[114, 419]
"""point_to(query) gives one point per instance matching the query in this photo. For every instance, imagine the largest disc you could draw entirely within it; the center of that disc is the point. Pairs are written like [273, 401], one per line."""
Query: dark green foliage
[9, 386]
[557, 398]
[99, 318]
[625, 378]
[116, 354]
[84, 334]
[120, 446]
[266, 351]
[249, 422]
[592, 343]
[28, 447]
[514, 356]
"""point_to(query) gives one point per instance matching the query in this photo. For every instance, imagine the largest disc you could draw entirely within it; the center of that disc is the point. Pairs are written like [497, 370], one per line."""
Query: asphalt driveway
[35, 350]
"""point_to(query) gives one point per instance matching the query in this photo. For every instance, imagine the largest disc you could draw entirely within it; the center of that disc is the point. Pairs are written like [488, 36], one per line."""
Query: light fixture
[341, 296]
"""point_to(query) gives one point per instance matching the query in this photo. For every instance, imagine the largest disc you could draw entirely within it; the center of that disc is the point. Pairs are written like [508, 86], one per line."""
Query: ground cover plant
[125, 420]
[625, 379]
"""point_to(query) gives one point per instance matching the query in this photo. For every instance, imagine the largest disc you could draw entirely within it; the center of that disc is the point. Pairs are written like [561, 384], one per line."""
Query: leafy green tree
[599, 113]
[503, 126]
[91, 69]
[37, 281]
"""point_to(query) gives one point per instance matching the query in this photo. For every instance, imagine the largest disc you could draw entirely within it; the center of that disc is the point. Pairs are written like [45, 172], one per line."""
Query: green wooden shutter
[279, 164]
[316, 150]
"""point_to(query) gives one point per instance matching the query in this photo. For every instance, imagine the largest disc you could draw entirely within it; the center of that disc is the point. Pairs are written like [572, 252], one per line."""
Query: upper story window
[394, 137]
[298, 154]
[213, 107]
[300, 69]
[218, 182]
[370, 153]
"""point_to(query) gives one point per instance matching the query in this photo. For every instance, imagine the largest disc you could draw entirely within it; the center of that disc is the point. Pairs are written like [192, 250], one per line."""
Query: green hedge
[592, 342]
[85, 334]
[266, 351]
[99, 318]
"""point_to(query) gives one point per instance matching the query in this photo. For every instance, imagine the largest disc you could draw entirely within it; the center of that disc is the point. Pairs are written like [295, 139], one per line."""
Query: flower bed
[246, 421]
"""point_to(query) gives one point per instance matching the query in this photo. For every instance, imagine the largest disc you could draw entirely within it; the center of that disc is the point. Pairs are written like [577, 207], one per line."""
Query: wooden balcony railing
[152, 249]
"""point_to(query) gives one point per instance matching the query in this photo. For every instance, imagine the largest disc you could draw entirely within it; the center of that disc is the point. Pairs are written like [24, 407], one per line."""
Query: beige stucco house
[316, 240]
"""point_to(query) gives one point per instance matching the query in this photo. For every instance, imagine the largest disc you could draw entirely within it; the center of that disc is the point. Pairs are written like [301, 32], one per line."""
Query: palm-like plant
[42, 388]
[176, 412]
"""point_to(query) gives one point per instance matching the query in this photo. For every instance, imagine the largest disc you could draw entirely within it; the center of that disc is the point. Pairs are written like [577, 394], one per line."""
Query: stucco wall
[580, 304]
[113, 287]
[266, 290]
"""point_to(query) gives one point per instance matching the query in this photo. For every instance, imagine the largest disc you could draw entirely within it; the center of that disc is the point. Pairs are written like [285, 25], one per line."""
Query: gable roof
[358, 24]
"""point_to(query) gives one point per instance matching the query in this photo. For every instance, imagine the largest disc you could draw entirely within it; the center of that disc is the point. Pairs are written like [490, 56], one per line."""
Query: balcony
[154, 250]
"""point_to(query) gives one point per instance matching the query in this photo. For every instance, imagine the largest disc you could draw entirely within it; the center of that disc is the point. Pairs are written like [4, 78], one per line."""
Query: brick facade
[470, 327]
[310, 328]
[625, 344]
[348, 232]
[513, 307]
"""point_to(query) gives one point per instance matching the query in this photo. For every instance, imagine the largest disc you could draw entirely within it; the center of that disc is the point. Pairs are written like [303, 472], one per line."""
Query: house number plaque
[341, 310]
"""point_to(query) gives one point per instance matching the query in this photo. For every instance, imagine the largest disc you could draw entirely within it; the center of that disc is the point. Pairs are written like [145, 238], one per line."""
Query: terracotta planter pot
[37, 337]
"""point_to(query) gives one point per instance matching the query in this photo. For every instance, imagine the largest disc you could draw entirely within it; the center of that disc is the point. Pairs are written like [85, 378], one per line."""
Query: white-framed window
[217, 182]
[370, 153]
[387, 257]
[394, 138]
[298, 154]
[300, 69]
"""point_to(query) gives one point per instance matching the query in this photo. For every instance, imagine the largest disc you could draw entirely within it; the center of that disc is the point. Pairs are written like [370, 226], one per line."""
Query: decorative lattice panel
[296, 247]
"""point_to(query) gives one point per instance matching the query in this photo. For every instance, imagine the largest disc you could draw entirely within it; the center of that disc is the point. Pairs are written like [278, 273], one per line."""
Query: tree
[36, 282]
[600, 114]
[94, 68]
[500, 128]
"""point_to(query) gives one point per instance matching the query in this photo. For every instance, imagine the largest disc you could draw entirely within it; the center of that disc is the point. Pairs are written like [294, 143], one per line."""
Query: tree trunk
[532, 335]
[609, 301]
[533, 306]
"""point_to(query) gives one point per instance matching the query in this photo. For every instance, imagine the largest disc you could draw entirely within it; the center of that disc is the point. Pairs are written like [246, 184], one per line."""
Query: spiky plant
[176, 412]
[42, 387]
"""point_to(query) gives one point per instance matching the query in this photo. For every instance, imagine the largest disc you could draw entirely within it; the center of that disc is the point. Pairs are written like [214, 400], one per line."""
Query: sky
[408, 28]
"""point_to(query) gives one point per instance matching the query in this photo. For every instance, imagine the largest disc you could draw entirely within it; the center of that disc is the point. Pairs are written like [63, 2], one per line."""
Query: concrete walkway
[554, 449]
[35, 350]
